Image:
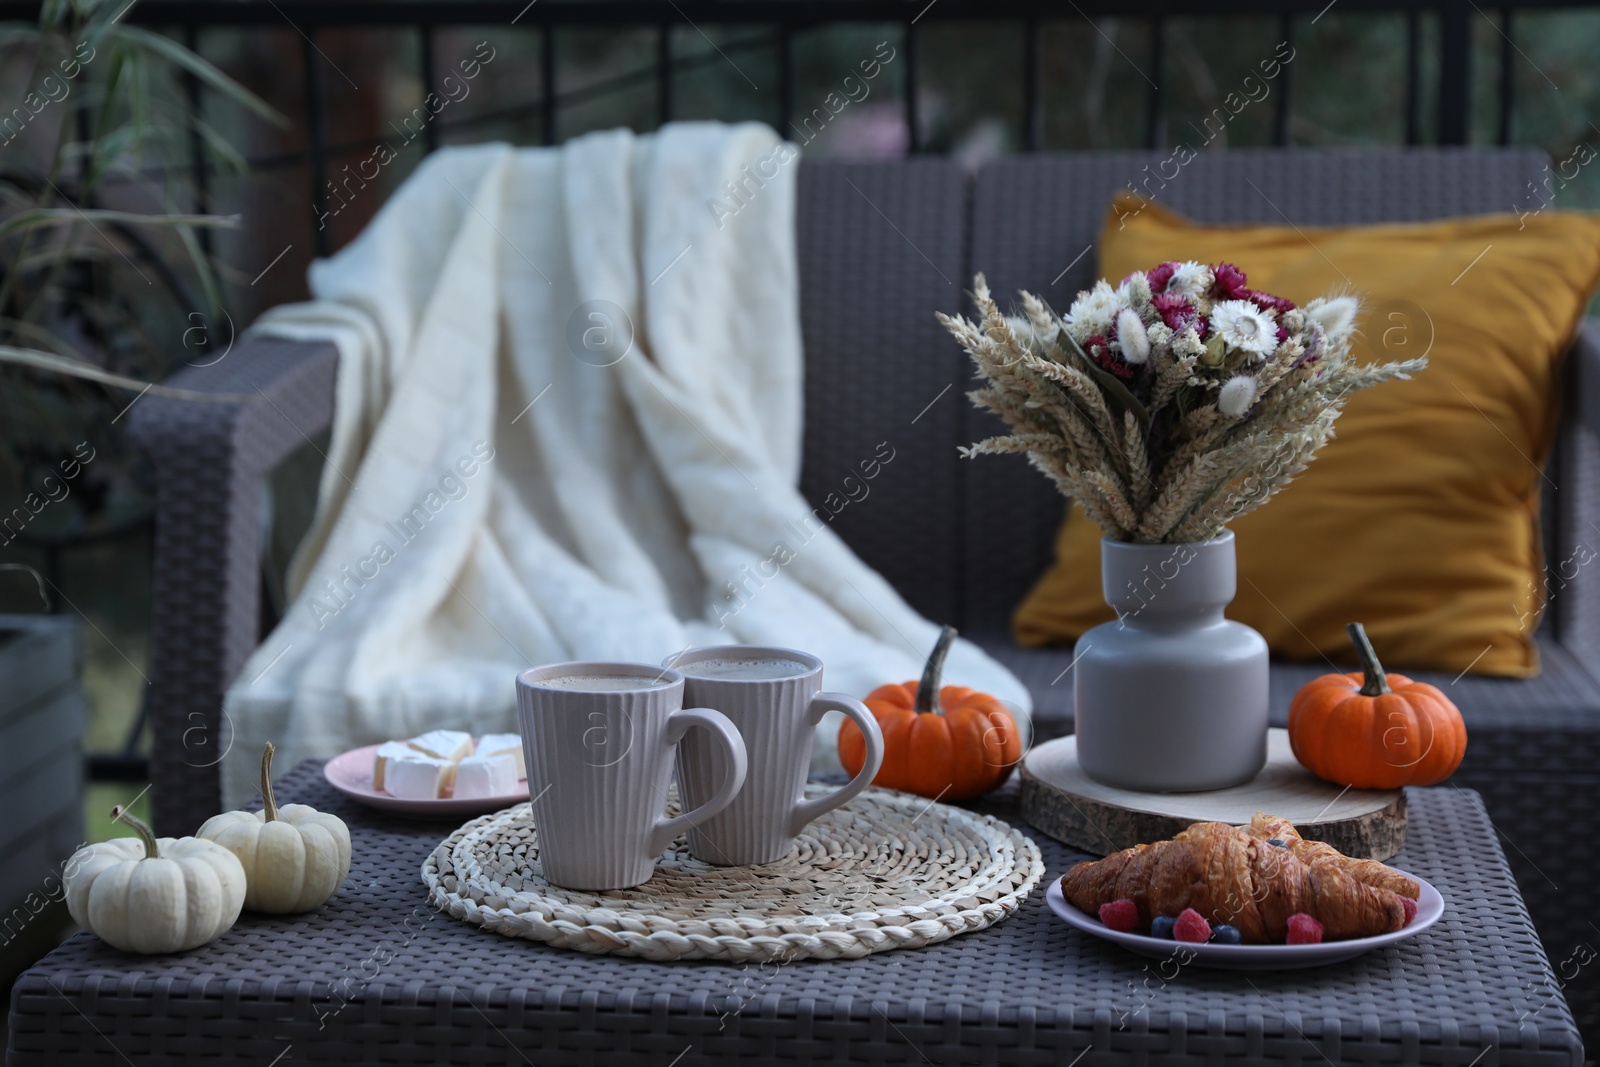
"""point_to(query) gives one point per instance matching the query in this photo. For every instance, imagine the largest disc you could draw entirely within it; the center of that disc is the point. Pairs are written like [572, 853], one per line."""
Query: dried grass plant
[105, 274]
[1171, 404]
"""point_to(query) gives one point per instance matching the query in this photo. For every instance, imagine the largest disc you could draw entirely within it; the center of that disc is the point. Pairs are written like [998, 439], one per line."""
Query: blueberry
[1275, 841]
[1226, 935]
[1161, 926]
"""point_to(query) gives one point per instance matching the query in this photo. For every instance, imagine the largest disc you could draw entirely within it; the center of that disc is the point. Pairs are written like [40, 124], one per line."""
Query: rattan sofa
[882, 245]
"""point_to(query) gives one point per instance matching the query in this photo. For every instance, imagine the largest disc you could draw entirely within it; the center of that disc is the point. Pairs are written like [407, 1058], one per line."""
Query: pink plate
[351, 774]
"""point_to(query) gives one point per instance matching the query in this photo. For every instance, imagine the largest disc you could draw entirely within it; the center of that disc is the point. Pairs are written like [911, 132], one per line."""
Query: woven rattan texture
[1574, 591]
[881, 247]
[378, 976]
[1533, 814]
[1034, 224]
[212, 461]
[888, 871]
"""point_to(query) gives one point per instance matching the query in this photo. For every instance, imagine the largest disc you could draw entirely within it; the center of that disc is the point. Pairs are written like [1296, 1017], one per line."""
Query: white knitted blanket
[568, 426]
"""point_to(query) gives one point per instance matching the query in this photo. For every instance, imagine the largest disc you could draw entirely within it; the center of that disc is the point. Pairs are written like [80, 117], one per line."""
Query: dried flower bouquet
[1173, 403]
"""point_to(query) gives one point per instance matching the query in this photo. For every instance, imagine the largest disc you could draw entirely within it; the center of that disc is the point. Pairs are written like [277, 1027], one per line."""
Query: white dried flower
[1132, 337]
[1188, 343]
[1093, 312]
[1237, 394]
[1190, 279]
[1159, 333]
[1294, 320]
[1244, 326]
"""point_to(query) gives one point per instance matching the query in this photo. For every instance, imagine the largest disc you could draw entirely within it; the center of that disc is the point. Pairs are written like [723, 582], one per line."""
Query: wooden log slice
[1060, 800]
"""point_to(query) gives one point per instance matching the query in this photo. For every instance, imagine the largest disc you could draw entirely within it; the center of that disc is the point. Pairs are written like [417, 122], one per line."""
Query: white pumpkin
[295, 857]
[141, 894]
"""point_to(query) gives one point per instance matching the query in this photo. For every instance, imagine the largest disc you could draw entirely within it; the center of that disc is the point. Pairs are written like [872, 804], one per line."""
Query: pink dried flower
[1103, 357]
[1230, 281]
[1159, 277]
[1268, 302]
[1116, 366]
[1178, 312]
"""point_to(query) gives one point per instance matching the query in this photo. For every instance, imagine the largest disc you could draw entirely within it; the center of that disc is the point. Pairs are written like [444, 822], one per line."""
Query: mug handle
[678, 724]
[821, 704]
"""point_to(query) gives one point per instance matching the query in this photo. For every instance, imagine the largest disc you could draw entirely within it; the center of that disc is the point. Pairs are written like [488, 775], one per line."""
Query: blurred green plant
[104, 278]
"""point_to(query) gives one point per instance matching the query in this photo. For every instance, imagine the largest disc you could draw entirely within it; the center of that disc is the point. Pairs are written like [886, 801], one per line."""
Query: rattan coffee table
[378, 976]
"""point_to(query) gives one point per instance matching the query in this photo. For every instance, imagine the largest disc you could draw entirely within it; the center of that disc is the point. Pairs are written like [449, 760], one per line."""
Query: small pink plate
[351, 774]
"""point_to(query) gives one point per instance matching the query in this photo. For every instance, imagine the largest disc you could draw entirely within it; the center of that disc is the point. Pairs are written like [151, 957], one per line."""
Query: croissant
[1316, 853]
[1230, 876]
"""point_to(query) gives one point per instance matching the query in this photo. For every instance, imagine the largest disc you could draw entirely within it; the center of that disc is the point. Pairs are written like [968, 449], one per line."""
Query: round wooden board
[1062, 801]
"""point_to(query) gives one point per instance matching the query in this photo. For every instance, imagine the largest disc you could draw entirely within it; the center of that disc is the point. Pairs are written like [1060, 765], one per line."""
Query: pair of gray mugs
[600, 740]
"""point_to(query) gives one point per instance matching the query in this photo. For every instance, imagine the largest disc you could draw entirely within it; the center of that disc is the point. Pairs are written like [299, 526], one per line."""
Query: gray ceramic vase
[1171, 696]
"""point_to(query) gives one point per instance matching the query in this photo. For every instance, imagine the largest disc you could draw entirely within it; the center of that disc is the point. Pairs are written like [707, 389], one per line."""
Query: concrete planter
[42, 717]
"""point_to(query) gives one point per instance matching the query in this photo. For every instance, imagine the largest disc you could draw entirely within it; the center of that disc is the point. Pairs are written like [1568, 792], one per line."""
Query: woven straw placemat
[888, 870]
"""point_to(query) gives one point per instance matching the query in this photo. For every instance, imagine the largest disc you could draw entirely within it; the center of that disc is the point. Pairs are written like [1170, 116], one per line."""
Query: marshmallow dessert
[419, 777]
[452, 745]
[504, 745]
[485, 776]
[447, 764]
[387, 752]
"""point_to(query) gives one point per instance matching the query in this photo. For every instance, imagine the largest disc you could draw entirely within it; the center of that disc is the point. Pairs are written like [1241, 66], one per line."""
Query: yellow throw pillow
[1421, 517]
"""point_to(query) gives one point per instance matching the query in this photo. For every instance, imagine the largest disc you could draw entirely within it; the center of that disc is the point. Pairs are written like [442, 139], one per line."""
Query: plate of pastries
[1253, 897]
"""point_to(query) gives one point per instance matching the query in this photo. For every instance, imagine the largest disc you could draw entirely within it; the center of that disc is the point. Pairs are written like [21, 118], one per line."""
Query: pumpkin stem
[267, 803]
[146, 835]
[1376, 683]
[928, 688]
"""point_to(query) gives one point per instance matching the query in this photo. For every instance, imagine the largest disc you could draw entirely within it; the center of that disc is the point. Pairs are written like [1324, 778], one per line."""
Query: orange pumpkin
[1374, 730]
[959, 750]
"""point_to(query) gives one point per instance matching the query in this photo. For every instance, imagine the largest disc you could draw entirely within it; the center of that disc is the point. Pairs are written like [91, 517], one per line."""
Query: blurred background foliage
[105, 255]
[1347, 89]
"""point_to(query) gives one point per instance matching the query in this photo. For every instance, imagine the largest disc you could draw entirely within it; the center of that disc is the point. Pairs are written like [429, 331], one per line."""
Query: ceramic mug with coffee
[773, 697]
[599, 739]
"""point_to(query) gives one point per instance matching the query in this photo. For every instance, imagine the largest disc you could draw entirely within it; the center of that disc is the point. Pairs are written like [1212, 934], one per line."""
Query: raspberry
[1303, 930]
[1411, 909]
[1191, 926]
[1120, 915]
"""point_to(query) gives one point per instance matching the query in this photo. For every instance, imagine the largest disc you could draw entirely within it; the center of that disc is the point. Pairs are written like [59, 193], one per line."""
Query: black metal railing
[1455, 45]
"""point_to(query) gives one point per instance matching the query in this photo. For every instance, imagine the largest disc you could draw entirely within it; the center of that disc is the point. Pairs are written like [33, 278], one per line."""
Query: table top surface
[378, 975]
